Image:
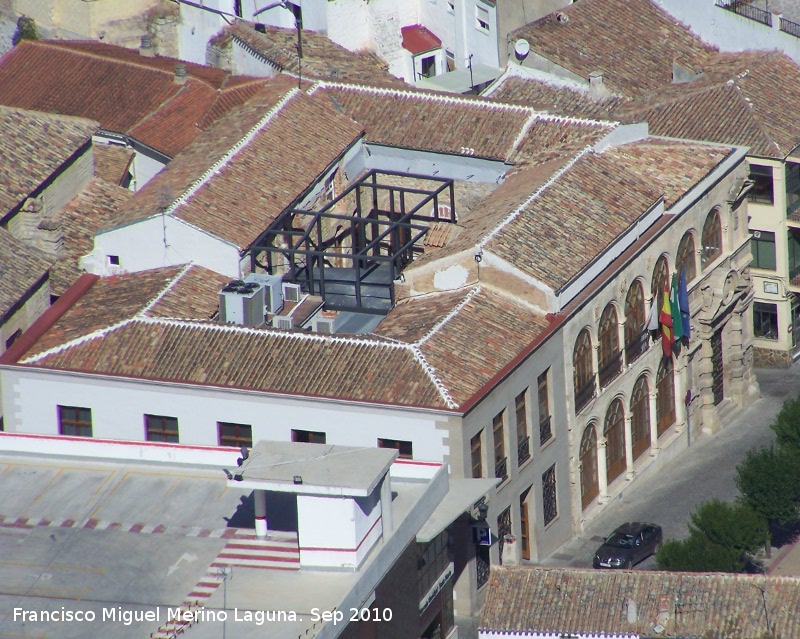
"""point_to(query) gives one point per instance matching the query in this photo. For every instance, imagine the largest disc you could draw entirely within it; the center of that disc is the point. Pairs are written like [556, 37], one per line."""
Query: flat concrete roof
[324, 469]
[462, 495]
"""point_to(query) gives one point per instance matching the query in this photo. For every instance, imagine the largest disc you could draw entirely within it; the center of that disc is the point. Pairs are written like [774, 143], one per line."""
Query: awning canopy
[461, 497]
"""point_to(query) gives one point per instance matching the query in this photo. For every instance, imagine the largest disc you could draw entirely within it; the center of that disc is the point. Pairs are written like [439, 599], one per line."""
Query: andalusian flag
[665, 318]
[675, 310]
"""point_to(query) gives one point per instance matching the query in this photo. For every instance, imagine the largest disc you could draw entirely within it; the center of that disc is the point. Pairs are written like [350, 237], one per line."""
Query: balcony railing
[584, 394]
[545, 432]
[523, 451]
[747, 10]
[610, 370]
[501, 469]
[635, 349]
[792, 28]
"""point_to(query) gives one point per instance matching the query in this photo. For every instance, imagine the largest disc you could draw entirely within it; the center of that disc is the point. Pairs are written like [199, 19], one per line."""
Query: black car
[628, 545]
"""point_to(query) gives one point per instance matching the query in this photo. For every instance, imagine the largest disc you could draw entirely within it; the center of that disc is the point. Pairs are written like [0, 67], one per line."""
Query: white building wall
[437, 17]
[245, 63]
[197, 26]
[481, 44]
[157, 242]
[730, 31]
[326, 531]
[30, 399]
[349, 24]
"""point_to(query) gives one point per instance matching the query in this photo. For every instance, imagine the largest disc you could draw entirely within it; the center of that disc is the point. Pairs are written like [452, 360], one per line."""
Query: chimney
[180, 74]
[146, 47]
[597, 90]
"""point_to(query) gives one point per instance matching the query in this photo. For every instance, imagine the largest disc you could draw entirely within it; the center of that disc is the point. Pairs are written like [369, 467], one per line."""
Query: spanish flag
[665, 318]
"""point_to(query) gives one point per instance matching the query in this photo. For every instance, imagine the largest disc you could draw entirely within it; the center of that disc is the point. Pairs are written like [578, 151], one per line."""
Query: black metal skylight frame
[394, 236]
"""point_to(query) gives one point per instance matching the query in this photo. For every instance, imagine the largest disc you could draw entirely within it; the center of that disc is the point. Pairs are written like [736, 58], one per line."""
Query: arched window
[590, 487]
[660, 277]
[614, 432]
[635, 336]
[640, 417]
[583, 374]
[685, 258]
[609, 358]
[665, 396]
[712, 239]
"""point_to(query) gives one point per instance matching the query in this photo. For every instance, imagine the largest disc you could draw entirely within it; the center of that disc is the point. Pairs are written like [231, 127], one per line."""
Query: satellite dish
[522, 48]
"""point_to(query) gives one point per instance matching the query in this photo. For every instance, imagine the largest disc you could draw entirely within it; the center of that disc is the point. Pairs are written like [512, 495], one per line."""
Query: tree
[736, 526]
[769, 482]
[787, 424]
[697, 553]
[26, 30]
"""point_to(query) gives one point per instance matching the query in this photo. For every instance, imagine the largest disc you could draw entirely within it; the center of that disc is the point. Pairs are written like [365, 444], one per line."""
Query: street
[705, 471]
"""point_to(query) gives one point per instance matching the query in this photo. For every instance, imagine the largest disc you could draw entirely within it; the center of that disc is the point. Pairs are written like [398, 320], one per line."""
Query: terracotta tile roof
[32, 147]
[554, 99]
[21, 267]
[287, 154]
[556, 234]
[81, 218]
[418, 39]
[741, 99]
[323, 59]
[558, 600]
[597, 36]
[458, 125]
[124, 91]
[111, 162]
[193, 296]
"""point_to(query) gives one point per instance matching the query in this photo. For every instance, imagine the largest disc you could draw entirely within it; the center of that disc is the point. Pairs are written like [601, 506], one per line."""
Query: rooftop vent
[180, 74]
[146, 48]
[563, 18]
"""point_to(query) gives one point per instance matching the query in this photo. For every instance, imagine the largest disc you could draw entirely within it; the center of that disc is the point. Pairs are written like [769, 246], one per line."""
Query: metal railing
[636, 348]
[501, 469]
[792, 28]
[610, 369]
[746, 10]
[523, 451]
[584, 394]
[545, 432]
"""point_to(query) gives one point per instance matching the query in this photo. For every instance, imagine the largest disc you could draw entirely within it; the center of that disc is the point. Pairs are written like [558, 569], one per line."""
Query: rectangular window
[308, 436]
[792, 187]
[161, 429]
[14, 337]
[794, 253]
[762, 191]
[498, 432]
[451, 60]
[765, 320]
[524, 526]
[503, 529]
[523, 440]
[476, 455]
[482, 19]
[545, 432]
[549, 502]
[405, 448]
[75, 421]
[428, 67]
[762, 245]
[236, 435]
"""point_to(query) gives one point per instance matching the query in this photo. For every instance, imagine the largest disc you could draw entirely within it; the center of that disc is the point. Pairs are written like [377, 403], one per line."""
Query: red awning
[417, 39]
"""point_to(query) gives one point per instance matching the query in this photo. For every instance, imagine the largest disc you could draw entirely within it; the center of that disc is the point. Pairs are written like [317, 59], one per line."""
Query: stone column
[260, 502]
[654, 446]
[602, 469]
[596, 366]
[628, 446]
[681, 384]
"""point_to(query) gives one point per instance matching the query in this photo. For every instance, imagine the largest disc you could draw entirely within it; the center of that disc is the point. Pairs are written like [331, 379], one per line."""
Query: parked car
[628, 545]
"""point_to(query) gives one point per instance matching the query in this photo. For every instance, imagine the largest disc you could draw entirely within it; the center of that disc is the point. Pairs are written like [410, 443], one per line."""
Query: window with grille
[609, 357]
[476, 455]
[665, 396]
[545, 429]
[503, 529]
[498, 434]
[549, 501]
[685, 257]
[161, 429]
[405, 448]
[75, 421]
[523, 440]
[309, 436]
[583, 375]
[236, 435]
[640, 417]
[614, 433]
[765, 320]
[712, 239]
[636, 337]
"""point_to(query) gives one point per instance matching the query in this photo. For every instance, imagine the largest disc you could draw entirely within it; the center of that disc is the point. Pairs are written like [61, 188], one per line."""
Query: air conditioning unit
[283, 322]
[273, 295]
[324, 325]
[291, 292]
[242, 303]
